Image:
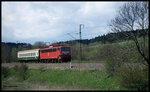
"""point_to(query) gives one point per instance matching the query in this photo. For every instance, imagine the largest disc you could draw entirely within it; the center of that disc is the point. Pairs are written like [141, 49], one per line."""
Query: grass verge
[68, 79]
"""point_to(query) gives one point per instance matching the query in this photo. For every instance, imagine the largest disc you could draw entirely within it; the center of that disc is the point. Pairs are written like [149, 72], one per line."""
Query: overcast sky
[51, 21]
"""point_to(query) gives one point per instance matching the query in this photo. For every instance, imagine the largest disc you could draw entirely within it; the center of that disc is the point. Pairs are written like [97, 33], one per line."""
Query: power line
[94, 27]
[71, 36]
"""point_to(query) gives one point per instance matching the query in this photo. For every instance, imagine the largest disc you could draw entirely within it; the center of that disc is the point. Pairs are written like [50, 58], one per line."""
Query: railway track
[61, 66]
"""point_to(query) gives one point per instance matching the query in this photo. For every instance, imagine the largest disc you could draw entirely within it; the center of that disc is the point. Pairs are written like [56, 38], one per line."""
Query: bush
[21, 71]
[57, 68]
[133, 77]
[111, 66]
[112, 56]
[5, 72]
[16, 68]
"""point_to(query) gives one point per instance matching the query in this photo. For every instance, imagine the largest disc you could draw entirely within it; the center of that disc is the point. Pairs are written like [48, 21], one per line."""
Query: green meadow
[88, 80]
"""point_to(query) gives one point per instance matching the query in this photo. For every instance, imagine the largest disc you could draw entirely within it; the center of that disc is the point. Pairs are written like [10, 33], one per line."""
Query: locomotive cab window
[62, 49]
[68, 49]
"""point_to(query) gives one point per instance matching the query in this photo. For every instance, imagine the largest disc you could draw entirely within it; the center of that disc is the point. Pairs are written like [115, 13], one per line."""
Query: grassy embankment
[62, 79]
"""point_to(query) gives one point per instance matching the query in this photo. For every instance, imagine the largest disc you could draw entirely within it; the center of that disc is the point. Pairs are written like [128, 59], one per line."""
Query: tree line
[9, 50]
[110, 37]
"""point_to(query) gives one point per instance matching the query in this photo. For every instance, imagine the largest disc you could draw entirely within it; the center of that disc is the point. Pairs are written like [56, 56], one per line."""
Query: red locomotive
[55, 54]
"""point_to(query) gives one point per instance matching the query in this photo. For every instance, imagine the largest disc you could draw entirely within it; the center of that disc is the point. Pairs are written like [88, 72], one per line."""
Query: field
[61, 77]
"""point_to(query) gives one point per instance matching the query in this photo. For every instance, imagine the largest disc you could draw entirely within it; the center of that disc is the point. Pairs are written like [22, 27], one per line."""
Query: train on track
[43, 55]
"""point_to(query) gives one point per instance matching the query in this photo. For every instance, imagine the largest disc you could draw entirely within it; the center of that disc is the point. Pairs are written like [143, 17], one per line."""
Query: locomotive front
[65, 53]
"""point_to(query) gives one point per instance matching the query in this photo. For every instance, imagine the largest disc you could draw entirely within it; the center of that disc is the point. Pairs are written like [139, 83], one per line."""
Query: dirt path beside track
[61, 66]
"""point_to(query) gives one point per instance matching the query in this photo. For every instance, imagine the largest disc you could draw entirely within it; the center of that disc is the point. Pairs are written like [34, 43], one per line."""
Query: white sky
[51, 21]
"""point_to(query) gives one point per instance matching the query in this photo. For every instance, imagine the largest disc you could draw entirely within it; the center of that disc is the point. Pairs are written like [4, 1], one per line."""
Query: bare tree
[40, 44]
[132, 16]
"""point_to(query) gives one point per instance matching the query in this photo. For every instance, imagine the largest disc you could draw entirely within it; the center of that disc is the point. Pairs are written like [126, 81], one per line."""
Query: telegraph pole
[80, 43]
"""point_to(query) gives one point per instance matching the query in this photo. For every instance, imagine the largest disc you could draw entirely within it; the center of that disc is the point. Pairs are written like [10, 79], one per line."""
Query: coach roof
[29, 50]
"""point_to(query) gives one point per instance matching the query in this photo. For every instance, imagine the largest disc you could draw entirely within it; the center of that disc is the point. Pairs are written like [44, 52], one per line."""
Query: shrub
[57, 68]
[23, 72]
[111, 66]
[112, 56]
[133, 77]
[5, 72]
[16, 68]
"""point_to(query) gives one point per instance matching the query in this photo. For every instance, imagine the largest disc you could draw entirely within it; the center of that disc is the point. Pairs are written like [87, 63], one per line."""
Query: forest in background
[9, 50]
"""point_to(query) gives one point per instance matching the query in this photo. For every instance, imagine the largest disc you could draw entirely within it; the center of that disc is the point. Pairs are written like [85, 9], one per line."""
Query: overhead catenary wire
[86, 31]
[71, 36]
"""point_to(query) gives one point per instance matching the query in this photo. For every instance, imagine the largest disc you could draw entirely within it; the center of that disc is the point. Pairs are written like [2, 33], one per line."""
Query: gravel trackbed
[61, 66]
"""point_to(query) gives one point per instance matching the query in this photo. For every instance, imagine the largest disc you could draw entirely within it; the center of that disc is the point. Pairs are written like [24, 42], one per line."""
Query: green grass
[85, 79]
[14, 85]
[92, 79]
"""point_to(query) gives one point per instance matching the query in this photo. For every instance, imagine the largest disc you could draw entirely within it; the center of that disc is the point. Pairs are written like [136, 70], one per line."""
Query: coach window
[46, 51]
[49, 50]
[54, 50]
[33, 54]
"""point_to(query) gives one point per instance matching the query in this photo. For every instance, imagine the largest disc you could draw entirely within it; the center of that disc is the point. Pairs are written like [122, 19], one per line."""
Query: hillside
[110, 38]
